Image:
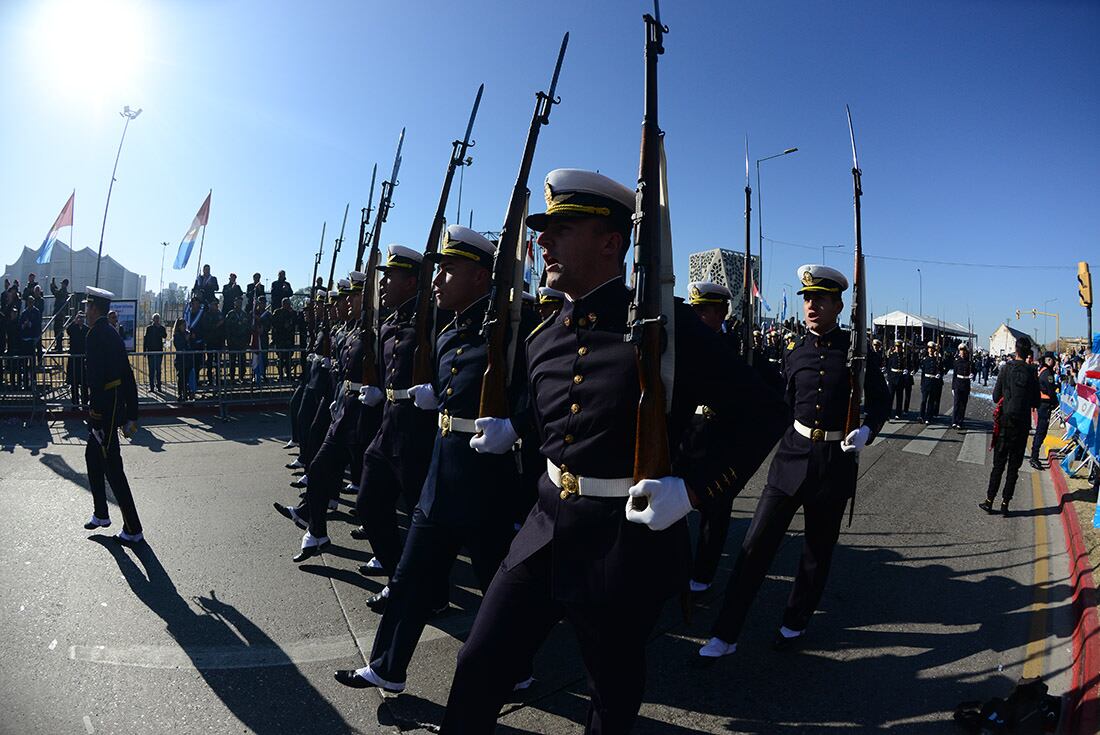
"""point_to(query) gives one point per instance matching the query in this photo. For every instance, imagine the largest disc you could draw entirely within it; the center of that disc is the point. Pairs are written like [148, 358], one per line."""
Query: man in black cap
[1048, 401]
[586, 552]
[112, 406]
[465, 499]
[1014, 395]
[814, 468]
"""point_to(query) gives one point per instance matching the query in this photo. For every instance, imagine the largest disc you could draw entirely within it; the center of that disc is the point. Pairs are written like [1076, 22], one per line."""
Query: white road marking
[53, 644]
[926, 441]
[88, 725]
[974, 448]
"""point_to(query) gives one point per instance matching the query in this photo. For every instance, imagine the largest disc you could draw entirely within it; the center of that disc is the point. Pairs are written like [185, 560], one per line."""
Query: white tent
[903, 325]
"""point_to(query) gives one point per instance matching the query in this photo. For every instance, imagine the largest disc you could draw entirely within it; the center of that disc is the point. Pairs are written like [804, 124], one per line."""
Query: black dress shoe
[351, 678]
[1004, 509]
[1035, 464]
[285, 513]
[377, 602]
[310, 551]
[986, 505]
[368, 571]
[359, 533]
[298, 483]
[783, 643]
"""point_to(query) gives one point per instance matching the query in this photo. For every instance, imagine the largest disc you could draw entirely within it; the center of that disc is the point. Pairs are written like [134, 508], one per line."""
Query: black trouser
[714, 525]
[962, 396]
[1008, 451]
[425, 567]
[326, 474]
[516, 615]
[316, 430]
[383, 480]
[823, 509]
[106, 461]
[155, 362]
[1041, 425]
[236, 360]
[284, 357]
[295, 406]
[899, 397]
[307, 410]
[930, 399]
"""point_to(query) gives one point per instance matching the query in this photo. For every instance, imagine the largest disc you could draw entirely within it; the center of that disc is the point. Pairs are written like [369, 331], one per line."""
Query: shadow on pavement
[265, 700]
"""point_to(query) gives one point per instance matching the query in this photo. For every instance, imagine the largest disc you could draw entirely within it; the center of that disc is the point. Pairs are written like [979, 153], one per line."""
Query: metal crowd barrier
[31, 385]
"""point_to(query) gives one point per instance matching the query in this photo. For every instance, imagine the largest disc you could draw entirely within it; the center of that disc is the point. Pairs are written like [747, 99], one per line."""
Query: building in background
[1003, 340]
[79, 269]
[914, 328]
[724, 267]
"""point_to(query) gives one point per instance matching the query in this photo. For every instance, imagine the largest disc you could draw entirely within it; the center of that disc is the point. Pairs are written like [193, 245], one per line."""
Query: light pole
[830, 247]
[129, 115]
[160, 286]
[920, 292]
[1045, 324]
[760, 212]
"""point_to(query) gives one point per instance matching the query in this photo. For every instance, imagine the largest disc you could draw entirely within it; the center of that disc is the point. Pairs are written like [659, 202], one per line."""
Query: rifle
[422, 321]
[364, 221]
[368, 315]
[336, 250]
[505, 289]
[317, 262]
[746, 292]
[647, 319]
[857, 346]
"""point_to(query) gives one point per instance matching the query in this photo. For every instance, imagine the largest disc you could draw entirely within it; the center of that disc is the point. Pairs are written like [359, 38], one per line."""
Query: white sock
[698, 586]
[788, 633]
[374, 564]
[716, 648]
[310, 540]
[370, 675]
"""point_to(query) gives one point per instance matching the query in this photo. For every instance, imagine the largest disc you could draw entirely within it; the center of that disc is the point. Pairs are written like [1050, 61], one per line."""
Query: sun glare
[89, 51]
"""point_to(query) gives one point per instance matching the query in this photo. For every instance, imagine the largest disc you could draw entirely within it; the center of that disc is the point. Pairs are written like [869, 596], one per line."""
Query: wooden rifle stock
[422, 371]
[652, 458]
[494, 383]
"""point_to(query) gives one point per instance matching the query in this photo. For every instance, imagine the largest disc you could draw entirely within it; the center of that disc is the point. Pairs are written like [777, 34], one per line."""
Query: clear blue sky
[977, 124]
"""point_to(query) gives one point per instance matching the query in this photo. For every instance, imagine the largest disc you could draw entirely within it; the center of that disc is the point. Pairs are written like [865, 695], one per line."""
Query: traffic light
[1017, 315]
[1084, 284]
[1035, 312]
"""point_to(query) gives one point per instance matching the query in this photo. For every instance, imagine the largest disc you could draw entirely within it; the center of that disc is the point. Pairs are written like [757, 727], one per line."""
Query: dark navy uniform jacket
[963, 367]
[463, 487]
[352, 422]
[898, 370]
[404, 427]
[111, 387]
[584, 388]
[931, 370]
[818, 389]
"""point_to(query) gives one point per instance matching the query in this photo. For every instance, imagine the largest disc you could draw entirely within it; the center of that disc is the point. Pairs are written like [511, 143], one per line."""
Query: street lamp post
[1045, 324]
[160, 286]
[760, 212]
[920, 292]
[129, 115]
[830, 247]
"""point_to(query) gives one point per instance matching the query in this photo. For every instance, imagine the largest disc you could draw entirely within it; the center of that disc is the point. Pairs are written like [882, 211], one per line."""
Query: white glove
[370, 395]
[332, 409]
[311, 357]
[495, 436]
[668, 502]
[423, 396]
[325, 362]
[129, 429]
[856, 439]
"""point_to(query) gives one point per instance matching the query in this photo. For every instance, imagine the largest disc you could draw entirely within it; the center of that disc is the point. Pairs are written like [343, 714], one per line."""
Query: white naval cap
[399, 256]
[574, 192]
[931, 344]
[320, 295]
[527, 296]
[343, 286]
[462, 242]
[357, 276]
[549, 295]
[706, 292]
[815, 278]
[91, 292]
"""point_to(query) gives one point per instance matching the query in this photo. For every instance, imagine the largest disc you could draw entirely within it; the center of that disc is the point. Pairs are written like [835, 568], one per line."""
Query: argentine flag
[188, 241]
[65, 219]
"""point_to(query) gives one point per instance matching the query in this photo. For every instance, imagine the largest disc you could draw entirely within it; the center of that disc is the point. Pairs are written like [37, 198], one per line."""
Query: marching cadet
[877, 351]
[771, 364]
[898, 377]
[1017, 392]
[345, 439]
[1048, 401]
[550, 300]
[112, 406]
[960, 386]
[931, 383]
[711, 302]
[465, 501]
[582, 554]
[814, 468]
[396, 461]
[314, 389]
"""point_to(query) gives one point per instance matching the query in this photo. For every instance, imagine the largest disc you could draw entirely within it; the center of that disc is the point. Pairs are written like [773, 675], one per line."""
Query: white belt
[352, 387]
[397, 394]
[449, 424]
[593, 487]
[963, 377]
[895, 370]
[931, 377]
[817, 435]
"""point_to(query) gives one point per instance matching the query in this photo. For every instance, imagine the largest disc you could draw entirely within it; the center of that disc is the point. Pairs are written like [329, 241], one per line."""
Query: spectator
[153, 343]
[31, 285]
[60, 307]
[236, 339]
[261, 324]
[255, 291]
[14, 351]
[280, 289]
[282, 333]
[230, 293]
[206, 285]
[183, 360]
[74, 369]
[1014, 395]
[196, 340]
[112, 319]
[30, 337]
[3, 343]
[39, 299]
[319, 285]
[214, 333]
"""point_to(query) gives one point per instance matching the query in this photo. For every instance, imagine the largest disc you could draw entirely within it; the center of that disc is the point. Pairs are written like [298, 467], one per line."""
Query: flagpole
[72, 245]
[129, 115]
[198, 263]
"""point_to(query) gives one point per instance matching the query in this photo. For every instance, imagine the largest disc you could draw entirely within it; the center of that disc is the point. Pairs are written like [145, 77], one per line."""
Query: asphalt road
[212, 628]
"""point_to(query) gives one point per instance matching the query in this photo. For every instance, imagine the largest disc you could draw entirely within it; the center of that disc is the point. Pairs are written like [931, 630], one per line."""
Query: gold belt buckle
[817, 435]
[569, 484]
[444, 423]
[389, 395]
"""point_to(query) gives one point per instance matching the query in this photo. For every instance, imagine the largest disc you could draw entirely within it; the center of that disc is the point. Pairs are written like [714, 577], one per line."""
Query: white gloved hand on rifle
[667, 502]
[856, 440]
[423, 396]
[495, 436]
[369, 395]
